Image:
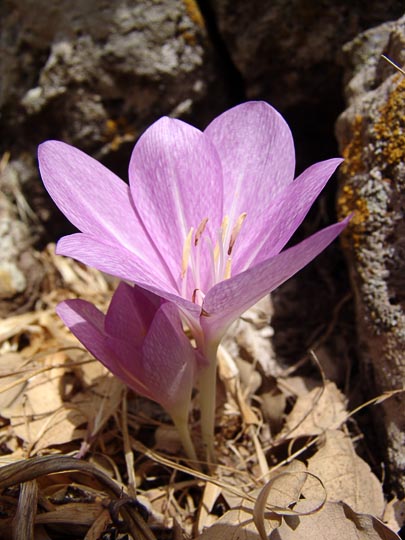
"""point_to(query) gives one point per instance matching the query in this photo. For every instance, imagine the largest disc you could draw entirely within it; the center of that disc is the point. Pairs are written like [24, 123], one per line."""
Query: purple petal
[165, 364]
[169, 358]
[117, 261]
[176, 182]
[257, 154]
[131, 307]
[86, 322]
[94, 199]
[111, 258]
[162, 368]
[284, 215]
[227, 300]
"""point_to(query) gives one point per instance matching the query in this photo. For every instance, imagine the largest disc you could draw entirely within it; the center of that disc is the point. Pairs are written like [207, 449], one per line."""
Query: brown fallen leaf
[30, 411]
[100, 400]
[13, 326]
[320, 409]
[12, 382]
[394, 514]
[254, 519]
[335, 521]
[280, 496]
[236, 524]
[249, 337]
[345, 475]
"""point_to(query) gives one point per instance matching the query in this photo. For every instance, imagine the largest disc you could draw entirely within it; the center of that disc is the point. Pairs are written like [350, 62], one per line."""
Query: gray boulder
[371, 134]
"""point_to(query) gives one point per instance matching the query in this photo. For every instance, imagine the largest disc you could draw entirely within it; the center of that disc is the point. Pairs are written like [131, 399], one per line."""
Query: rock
[371, 134]
[21, 270]
[99, 72]
[94, 74]
[288, 53]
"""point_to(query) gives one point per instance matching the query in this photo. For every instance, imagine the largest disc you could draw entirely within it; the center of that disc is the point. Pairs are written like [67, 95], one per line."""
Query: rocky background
[96, 74]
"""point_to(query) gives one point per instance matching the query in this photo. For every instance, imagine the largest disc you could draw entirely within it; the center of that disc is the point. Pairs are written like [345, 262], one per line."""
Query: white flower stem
[207, 386]
[180, 420]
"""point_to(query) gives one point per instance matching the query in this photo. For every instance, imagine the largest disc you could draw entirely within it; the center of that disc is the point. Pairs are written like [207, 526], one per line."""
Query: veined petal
[257, 154]
[131, 307]
[117, 261]
[162, 368]
[285, 214]
[229, 299]
[169, 357]
[176, 182]
[112, 258]
[93, 198]
[86, 322]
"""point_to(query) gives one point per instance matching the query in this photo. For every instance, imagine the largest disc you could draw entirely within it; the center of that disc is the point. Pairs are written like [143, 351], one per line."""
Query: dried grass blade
[30, 469]
[23, 522]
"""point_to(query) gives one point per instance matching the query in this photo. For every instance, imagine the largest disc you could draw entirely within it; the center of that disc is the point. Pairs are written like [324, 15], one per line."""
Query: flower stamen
[224, 227]
[235, 231]
[200, 230]
[228, 268]
[198, 297]
[186, 253]
[220, 255]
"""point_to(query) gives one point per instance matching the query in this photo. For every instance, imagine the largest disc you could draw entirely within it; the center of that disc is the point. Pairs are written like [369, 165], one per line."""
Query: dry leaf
[99, 526]
[346, 476]
[229, 374]
[273, 403]
[284, 487]
[280, 493]
[236, 524]
[12, 382]
[335, 521]
[78, 513]
[296, 386]
[394, 514]
[36, 406]
[13, 326]
[31, 410]
[249, 337]
[60, 428]
[316, 411]
[210, 496]
[241, 522]
[100, 400]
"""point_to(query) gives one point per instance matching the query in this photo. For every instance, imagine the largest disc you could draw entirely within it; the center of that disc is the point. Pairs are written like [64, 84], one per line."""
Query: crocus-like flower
[141, 341]
[204, 218]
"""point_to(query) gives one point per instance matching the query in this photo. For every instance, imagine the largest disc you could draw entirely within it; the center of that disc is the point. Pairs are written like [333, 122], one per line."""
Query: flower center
[203, 270]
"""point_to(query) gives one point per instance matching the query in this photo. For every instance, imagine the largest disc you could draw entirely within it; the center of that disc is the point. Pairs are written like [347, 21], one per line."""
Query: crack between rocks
[232, 77]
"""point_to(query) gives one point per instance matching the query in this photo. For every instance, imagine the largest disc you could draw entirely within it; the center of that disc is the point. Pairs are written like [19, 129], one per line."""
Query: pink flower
[140, 340]
[204, 218]
[202, 223]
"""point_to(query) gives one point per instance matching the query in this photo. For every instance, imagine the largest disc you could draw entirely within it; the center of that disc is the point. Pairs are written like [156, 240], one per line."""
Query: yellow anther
[216, 253]
[228, 268]
[200, 230]
[236, 230]
[224, 227]
[186, 252]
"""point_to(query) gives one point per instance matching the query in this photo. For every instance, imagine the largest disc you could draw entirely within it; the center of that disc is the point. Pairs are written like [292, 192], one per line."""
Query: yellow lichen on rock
[390, 128]
[349, 202]
[352, 152]
[193, 11]
[118, 132]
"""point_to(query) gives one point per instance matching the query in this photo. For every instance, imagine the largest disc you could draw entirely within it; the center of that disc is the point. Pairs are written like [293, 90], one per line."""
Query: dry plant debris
[83, 458]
